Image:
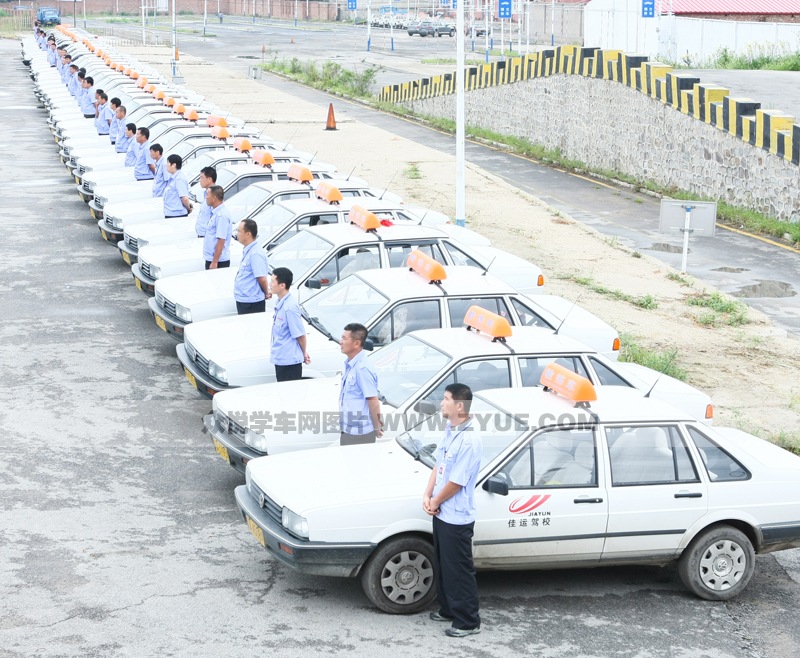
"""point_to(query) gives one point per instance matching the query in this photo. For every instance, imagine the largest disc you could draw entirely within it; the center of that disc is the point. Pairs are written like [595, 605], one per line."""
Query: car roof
[400, 283]
[346, 234]
[460, 343]
[300, 206]
[614, 404]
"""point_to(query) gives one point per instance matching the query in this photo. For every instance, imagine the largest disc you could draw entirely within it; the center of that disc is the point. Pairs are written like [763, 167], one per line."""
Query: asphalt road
[764, 275]
[119, 535]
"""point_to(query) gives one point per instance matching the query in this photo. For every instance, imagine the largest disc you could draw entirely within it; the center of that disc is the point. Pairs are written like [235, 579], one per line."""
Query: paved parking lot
[120, 535]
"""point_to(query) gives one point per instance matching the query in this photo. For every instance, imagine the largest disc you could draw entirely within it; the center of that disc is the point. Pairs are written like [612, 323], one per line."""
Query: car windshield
[245, 202]
[193, 167]
[406, 365]
[272, 219]
[300, 253]
[498, 430]
[348, 300]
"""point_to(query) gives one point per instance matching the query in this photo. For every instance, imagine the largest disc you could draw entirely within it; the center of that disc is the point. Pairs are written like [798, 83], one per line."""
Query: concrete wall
[609, 125]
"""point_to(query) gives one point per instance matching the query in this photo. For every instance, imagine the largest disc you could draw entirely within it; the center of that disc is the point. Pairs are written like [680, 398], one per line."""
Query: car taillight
[540, 280]
[615, 345]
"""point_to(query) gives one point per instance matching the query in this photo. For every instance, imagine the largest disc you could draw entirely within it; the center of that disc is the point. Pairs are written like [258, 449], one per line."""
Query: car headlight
[256, 441]
[88, 186]
[184, 314]
[220, 374]
[116, 223]
[294, 523]
[155, 272]
[141, 243]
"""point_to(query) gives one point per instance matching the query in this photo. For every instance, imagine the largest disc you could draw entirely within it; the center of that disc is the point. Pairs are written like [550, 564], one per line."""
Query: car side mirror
[496, 484]
[425, 407]
[314, 284]
[369, 345]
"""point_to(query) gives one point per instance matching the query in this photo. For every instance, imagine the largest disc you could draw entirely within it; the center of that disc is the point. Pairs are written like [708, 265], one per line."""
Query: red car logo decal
[521, 505]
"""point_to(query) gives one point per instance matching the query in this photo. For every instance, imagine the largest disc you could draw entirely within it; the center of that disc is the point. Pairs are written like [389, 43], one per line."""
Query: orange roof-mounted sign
[568, 384]
[487, 322]
[426, 267]
[363, 218]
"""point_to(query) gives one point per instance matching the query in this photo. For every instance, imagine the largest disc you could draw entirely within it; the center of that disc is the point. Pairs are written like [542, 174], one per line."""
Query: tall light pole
[295, 13]
[174, 40]
[205, 16]
[553, 23]
[461, 200]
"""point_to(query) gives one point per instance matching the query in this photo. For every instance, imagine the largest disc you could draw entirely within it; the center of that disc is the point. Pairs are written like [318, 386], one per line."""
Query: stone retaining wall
[612, 126]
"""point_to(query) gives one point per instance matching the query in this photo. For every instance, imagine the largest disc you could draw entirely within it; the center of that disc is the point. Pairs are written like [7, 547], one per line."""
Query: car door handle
[689, 494]
[587, 500]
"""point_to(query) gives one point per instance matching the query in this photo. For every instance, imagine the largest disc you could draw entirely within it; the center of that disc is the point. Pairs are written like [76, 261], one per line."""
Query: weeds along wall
[625, 114]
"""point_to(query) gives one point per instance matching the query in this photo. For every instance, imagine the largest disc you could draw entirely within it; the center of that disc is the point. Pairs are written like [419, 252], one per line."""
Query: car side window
[478, 375]
[556, 458]
[532, 368]
[290, 196]
[460, 258]
[403, 318]
[648, 455]
[398, 252]
[719, 465]
[528, 317]
[458, 308]
[605, 375]
[356, 259]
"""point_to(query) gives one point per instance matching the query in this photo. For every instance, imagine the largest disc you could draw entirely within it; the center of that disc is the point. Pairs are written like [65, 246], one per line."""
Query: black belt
[89, 116]
[175, 216]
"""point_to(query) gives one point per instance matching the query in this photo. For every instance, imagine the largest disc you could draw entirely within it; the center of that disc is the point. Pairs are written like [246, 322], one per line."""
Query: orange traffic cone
[331, 124]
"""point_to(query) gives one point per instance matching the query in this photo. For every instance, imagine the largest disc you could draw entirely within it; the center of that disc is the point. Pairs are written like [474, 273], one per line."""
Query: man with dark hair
[123, 138]
[208, 176]
[217, 240]
[86, 97]
[113, 126]
[359, 406]
[176, 191]
[161, 176]
[450, 499]
[251, 287]
[104, 114]
[130, 144]
[288, 343]
[144, 168]
[72, 80]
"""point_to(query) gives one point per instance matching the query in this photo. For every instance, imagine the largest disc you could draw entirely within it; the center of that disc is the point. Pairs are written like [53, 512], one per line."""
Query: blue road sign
[352, 5]
[504, 8]
[648, 8]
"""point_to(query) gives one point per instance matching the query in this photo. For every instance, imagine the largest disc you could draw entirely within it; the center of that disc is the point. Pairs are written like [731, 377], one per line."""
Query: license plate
[138, 283]
[222, 451]
[192, 379]
[104, 234]
[93, 213]
[160, 322]
[258, 533]
[126, 257]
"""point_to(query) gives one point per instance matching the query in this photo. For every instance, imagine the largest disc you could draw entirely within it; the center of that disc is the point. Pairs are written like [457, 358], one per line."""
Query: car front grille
[133, 243]
[81, 171]
[199, 360]
[88, 187]
[164, 303]
[100, 202]
[229, 425]
[145, 268]
[266, 503]
[109, 222]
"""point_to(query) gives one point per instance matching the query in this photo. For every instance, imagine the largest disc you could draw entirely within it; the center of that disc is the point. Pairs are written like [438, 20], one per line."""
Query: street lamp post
[461, 201]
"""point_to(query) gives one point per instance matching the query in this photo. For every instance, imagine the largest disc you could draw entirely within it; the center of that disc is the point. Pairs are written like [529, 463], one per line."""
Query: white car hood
[667, 389]
[153, 230]
[310, 481]
[231, 339]
[192, 248]
[194, 287]
[579, 324]
[121, 209]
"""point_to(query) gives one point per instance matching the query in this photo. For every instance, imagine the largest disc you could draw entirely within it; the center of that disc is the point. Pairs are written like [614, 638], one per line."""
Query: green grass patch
[787, 440]
[722, 311]
[758, 56]
[412, 171]
[331, 77]
[632, 352]
[680, 279]
[647, 302]
[450, 60]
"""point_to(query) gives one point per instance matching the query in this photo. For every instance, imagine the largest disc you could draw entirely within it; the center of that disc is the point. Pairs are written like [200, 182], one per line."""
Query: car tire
[398, 577]
[718, 563]
[452, 33]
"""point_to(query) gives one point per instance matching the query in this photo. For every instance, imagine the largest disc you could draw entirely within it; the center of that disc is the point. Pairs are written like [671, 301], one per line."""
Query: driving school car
[276, 223]
[413, 372]
[319, 256]
[617, 480]
[248, 202]
[228, 352]
[232, 178]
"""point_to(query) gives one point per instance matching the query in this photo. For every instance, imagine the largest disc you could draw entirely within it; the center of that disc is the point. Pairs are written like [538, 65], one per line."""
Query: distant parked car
[413, 28]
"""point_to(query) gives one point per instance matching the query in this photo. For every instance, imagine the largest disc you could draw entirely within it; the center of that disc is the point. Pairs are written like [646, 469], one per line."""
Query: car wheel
[452, 33]
[398, 578]
[718, 564]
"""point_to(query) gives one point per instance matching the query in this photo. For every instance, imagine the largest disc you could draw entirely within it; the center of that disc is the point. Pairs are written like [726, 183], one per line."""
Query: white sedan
[626, 481]
[413, 372]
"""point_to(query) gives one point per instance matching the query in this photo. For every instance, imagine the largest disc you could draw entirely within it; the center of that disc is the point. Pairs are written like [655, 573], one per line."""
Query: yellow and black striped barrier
[770, 130]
